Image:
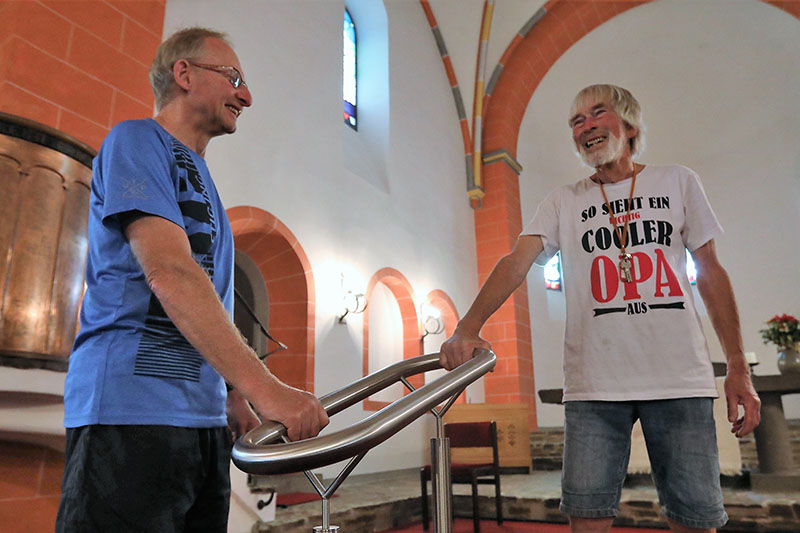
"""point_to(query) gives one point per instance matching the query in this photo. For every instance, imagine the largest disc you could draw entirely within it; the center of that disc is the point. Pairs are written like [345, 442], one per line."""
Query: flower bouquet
[784, 332]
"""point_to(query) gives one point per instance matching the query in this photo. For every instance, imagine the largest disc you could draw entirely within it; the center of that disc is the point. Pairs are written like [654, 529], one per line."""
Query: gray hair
[624, 104]
[182, 44]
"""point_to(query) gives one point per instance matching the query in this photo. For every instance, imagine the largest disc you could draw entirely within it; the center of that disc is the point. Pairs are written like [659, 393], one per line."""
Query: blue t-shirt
[129, 363]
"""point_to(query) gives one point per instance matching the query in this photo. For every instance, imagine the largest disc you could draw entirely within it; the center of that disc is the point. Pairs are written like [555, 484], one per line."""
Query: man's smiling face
[599, 134]
[217, 99]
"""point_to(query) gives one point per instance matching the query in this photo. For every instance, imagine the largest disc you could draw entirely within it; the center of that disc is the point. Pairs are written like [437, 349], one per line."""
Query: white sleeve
[545, 224]
[701, 224]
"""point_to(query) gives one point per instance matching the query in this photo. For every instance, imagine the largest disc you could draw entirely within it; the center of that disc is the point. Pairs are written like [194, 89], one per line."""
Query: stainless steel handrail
[255, 452]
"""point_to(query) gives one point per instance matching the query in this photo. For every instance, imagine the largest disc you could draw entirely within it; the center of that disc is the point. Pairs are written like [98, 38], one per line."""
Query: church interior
[362, 240]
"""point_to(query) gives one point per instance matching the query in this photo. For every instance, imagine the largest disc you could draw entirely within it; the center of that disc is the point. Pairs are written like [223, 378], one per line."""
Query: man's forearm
[716, 290]
[506, 276]
[189, 299]
[715, 287]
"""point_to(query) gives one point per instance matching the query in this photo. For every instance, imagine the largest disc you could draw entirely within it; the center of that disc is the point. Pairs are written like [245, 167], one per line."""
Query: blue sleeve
[136, 170]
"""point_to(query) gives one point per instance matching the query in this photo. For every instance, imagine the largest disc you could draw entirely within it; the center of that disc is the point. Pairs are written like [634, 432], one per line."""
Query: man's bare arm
[188, 297]
[507, 275]
[715, 288]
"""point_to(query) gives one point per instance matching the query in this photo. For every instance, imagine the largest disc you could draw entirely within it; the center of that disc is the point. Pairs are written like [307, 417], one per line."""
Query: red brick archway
[441, 301]
[499, 221]
[412, 337]
[290, 284]
[790, 6]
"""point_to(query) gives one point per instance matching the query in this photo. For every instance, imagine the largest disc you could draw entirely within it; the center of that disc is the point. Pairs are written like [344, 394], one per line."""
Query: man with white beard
[634, 348]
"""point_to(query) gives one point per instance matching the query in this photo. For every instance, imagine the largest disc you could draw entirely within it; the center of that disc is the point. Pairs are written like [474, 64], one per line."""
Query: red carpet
[464, 525]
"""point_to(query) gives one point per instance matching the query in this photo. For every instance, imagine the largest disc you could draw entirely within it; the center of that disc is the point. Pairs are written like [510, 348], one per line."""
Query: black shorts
[150, 479]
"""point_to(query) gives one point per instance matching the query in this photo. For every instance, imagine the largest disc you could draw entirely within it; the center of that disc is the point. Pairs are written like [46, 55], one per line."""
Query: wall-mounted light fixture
[431, 320]
[352, 303]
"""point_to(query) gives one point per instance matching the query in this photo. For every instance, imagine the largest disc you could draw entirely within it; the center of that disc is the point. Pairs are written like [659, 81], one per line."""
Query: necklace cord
[621, 235]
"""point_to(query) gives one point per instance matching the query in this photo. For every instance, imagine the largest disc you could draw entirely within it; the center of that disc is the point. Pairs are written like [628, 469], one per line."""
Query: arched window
[691, 270]
[349, 70]
[552, 273]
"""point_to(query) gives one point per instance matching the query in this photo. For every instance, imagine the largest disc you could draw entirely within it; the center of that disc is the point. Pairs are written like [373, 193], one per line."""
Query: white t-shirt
[640, 340]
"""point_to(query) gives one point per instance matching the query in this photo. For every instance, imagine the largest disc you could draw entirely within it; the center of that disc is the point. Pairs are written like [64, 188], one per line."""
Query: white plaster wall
[385, 338]
[718, 86]
[287, 158]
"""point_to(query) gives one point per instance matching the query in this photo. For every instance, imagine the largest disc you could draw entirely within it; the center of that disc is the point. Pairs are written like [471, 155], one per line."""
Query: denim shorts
[681, 442]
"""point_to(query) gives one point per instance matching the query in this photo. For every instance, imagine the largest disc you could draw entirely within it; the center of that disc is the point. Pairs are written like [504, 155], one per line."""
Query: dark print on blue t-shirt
[163, 351]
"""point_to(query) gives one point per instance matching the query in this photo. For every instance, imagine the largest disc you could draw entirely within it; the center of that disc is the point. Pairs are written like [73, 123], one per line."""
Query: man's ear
[182, 74]
[630, 131]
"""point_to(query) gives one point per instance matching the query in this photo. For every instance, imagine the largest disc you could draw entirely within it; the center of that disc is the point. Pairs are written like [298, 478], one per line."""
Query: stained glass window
[691, 271]
[349, 71]
[552, 273]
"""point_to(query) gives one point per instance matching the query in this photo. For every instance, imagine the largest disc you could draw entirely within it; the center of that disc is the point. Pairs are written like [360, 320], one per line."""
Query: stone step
[547, 446]
[379, 502]
[282, 484]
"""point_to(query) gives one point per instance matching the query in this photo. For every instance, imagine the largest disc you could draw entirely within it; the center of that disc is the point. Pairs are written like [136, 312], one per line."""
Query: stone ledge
[547, 448]
[367, 518]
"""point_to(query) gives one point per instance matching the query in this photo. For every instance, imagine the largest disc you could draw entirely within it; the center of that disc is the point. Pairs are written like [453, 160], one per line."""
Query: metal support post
[440, 463]
[326, 526]
[326, 494]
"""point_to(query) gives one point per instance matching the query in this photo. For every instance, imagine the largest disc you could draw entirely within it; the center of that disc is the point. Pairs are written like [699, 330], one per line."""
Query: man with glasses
[145, 401]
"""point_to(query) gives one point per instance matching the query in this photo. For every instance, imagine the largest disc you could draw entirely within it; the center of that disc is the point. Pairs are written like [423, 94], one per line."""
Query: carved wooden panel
[513, 435]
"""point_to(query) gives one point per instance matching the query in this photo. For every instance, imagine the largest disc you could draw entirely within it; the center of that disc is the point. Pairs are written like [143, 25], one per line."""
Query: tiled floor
[30, 487]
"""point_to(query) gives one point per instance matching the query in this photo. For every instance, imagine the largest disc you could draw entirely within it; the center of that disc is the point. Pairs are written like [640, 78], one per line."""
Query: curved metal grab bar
[254, 454]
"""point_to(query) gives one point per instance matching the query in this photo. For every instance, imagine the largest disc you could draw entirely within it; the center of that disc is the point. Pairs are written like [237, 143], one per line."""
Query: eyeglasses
[232, 73]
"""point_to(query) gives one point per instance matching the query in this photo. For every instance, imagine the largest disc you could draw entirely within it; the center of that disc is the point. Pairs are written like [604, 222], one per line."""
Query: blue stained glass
[349, 70]
[552, 273]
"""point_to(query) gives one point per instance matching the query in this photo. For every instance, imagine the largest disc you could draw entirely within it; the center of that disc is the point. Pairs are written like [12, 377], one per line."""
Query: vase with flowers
[784, 332]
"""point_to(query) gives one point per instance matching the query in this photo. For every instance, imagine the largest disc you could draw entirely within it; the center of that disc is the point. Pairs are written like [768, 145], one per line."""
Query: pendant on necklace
[625, 265]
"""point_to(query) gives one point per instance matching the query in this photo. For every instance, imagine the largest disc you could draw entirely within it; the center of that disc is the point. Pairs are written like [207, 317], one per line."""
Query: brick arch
[529, 58]
[441, 301]
[290, 284]
[790, 6]
[531, 54]
[412, 336]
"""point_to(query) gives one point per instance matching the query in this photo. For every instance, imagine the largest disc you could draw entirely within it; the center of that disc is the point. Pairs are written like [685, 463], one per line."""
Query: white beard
[612, 151]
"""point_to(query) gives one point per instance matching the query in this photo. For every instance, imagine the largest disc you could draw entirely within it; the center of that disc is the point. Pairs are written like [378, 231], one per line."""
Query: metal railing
[259, 451]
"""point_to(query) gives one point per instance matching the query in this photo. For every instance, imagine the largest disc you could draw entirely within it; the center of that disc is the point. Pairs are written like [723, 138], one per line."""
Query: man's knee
[590, 525]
